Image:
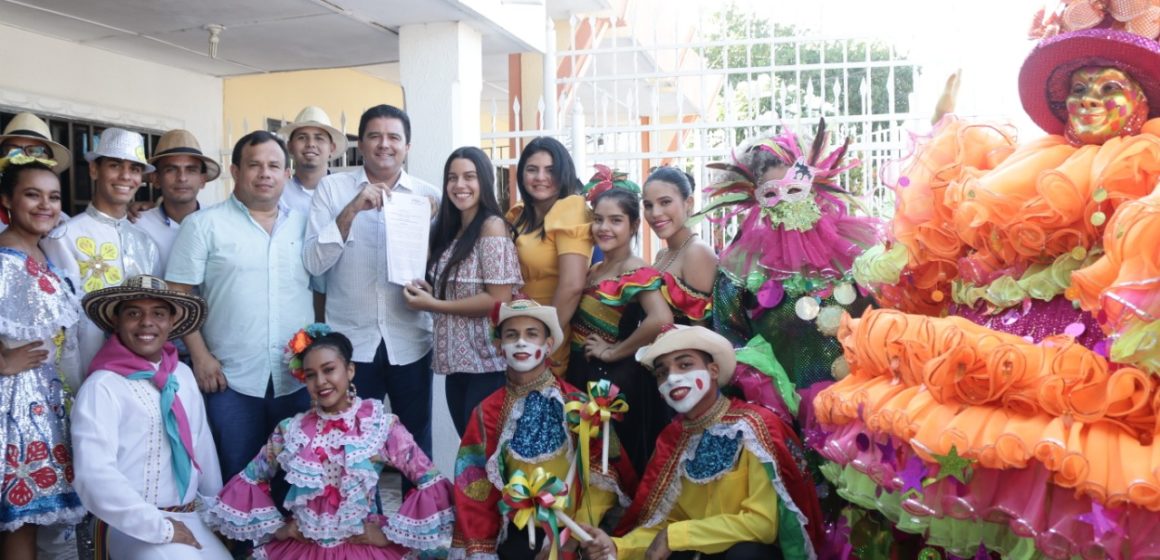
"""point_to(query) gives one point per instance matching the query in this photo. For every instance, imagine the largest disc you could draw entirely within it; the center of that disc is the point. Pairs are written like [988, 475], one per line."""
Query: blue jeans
[466, 390]
[407, 386]
[241, 424]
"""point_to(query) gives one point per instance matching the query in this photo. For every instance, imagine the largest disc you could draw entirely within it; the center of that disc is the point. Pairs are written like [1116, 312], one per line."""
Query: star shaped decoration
[1103, 521]
[888, 456]
[953, 465]
[912, 475]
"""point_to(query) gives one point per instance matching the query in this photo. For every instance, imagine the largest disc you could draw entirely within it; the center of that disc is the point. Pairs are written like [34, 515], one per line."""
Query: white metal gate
[643, 96]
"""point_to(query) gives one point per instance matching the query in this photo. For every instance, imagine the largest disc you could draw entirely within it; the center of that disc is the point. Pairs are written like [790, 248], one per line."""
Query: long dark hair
[563, 172]
[450, 219]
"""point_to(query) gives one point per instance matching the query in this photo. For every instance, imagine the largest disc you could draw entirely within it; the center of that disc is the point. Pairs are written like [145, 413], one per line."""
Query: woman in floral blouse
[474, 267]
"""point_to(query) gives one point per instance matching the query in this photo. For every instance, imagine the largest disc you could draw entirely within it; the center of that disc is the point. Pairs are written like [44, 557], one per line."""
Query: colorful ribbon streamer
[590, 414]
[539, 500]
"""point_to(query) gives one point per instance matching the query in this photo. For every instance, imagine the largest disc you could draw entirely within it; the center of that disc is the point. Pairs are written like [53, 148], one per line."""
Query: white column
[441, 67]
[550, 78]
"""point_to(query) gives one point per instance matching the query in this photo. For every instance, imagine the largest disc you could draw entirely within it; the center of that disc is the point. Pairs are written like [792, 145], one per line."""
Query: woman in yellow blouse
[553, 232]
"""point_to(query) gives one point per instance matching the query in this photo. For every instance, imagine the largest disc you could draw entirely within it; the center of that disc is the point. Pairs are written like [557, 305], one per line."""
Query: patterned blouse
[463, 344]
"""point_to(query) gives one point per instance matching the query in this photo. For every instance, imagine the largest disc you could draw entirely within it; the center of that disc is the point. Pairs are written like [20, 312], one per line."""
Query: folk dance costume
[610, 310]
[1025, 425]
[144, 453]
[333, 463]
[522, 428]
[725, 479]
[37, 305]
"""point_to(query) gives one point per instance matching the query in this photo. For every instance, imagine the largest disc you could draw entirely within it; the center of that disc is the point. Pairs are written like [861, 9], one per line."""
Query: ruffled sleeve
[499, 263]
[569, 225]
[685, 299]
[622, 289]
[245, 510]
[425, 520]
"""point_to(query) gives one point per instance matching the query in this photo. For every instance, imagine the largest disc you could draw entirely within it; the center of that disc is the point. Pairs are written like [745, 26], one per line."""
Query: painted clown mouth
[679, 393]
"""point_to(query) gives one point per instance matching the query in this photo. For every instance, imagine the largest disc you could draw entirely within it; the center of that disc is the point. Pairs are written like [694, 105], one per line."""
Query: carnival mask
[684, 390]
[795, 186]
[523, 356]
[1103, 103]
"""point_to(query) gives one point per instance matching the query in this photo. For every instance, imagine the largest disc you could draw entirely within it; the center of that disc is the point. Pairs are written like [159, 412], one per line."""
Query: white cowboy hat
[680, 337]
[118, 143]
[27, 125]
[527, 308]
[178, 142]
[316, 117]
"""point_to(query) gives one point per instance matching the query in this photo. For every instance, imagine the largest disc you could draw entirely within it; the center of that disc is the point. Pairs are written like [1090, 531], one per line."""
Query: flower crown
[606, 179]
[20, 158]
[298, 344]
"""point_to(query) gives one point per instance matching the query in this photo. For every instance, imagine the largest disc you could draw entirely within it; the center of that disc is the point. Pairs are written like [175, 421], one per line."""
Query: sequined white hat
[118, 143]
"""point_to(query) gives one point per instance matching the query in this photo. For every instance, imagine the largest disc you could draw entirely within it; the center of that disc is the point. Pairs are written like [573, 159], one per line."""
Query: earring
[351, 392]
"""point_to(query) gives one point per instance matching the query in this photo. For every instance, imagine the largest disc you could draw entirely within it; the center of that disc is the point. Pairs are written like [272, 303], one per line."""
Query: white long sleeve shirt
[122, 460]
[360, 303]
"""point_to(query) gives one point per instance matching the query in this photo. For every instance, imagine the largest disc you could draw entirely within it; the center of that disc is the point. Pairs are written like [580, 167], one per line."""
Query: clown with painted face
[522, 427]
[722, 481]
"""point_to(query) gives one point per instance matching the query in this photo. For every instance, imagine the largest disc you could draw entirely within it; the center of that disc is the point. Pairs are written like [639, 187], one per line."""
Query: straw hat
[680, 337]
[118, 143]
[27, 125]
[528, 308]
[101, 305]
[316, 117]
[178, 142]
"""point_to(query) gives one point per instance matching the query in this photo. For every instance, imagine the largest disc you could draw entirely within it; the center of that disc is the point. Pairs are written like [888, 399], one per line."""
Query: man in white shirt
[312, 143]
[346, 243]
[142, 448]
[100, 247]
[182, 172]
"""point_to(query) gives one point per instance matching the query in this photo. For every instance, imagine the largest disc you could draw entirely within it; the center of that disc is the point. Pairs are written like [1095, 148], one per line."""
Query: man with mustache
[521, 427]
[722, 482]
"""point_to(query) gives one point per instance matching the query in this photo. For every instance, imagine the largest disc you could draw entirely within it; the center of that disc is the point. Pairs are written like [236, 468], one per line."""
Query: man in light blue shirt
[245, 257]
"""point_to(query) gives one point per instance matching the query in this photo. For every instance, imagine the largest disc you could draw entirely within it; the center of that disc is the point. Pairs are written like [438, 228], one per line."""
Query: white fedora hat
[545, 314]
[680, 337]
[314, 116]
[27, 125]
[118, 143]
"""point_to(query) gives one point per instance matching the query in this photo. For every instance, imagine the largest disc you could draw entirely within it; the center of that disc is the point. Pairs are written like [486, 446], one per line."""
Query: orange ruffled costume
[971, 208]
[971, 200]
[1002, 401]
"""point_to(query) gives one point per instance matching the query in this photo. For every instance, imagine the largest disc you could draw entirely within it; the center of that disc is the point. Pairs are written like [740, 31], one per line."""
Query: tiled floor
[390, 492]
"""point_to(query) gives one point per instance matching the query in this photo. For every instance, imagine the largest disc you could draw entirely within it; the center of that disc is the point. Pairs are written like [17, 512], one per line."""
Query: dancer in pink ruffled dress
[333, 455]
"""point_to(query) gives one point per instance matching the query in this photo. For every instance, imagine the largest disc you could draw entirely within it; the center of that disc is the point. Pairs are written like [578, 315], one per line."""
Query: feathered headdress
[796, 236]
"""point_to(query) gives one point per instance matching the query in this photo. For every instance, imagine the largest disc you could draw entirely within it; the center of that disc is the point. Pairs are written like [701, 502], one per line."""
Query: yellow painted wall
[282, 95]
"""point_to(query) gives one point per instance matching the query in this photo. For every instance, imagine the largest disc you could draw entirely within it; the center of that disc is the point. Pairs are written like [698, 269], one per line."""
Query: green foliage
[788, 75]
[819, 76]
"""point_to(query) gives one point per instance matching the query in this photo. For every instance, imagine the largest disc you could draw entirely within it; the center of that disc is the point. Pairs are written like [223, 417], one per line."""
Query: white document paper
[408, 218]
